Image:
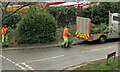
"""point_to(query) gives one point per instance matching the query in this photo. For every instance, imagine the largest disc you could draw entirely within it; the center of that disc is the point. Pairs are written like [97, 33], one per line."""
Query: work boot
[6, 45]
[62, 46]
[68, 46]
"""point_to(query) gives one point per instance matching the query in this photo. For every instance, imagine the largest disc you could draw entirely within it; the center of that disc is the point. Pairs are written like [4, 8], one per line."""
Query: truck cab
[115, 21]
[115, 18]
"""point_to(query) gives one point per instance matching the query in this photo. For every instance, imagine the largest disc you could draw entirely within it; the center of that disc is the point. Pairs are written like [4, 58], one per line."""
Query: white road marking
[13, 62]
[98, 49]
[42, 59]
[30, 68]
[3, 57]
[57, 56]
[21, 67]
[16, 64]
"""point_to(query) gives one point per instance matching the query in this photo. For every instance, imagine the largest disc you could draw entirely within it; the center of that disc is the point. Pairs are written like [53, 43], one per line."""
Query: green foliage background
[37, 26]
[100, 13]
[64, 16]
[97, 13]
[12, 21]
[98, 28]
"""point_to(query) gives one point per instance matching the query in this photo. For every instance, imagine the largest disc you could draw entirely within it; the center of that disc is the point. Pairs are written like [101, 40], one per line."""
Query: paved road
[56, 58]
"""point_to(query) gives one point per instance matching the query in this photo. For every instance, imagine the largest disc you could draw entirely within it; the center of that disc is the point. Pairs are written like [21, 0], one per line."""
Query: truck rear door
[83, 27]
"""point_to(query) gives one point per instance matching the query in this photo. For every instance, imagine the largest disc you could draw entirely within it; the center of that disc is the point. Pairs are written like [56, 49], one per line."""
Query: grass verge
[101, 65]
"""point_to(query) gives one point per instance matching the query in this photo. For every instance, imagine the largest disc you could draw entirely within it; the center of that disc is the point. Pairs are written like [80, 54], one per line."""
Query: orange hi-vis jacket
[4, 31]
[65, 33]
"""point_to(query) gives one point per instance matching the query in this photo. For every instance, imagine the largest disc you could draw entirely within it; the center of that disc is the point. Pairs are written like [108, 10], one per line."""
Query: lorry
[83, 26]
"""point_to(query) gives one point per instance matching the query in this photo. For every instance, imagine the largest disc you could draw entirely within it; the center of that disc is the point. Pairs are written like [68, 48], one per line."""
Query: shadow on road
[97, 42]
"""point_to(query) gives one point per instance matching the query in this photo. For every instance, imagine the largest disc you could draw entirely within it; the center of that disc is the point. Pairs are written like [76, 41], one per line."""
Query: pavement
[38, 46]
[32, 46]
[56, 58]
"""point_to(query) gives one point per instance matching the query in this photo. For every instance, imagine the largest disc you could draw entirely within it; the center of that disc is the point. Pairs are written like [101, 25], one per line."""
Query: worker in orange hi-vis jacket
[4, 34]
[65, 36]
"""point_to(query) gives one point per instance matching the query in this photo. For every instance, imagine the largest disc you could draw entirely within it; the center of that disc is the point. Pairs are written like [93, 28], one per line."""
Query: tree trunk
[3, 14]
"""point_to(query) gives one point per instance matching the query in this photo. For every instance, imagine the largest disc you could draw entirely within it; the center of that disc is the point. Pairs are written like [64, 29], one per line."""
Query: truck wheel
[102, 39]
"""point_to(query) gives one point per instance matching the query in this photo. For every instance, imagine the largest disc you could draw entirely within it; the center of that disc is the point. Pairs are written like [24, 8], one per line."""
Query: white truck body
[84, 24]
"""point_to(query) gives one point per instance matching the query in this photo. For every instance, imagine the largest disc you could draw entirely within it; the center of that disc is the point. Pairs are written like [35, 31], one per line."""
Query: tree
[4, 6]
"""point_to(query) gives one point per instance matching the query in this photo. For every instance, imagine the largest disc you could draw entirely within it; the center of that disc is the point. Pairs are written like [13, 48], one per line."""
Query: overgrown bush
[100, 13]
[95, 28]
[64, 16]
[37, 26]
[13, 36]
[12, 20]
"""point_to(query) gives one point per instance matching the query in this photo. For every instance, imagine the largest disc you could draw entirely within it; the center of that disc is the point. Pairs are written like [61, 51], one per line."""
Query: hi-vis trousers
[65, 41]
[4, 38]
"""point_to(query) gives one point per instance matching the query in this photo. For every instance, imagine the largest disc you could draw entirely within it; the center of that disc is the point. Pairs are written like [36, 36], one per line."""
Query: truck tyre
[102, 39]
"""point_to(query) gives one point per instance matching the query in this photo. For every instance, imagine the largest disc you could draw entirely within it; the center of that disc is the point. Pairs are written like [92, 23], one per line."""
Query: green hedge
[64, 16]
[12, 20]
[100, 13]
[97, 13]
[95, 28]
[37, 26]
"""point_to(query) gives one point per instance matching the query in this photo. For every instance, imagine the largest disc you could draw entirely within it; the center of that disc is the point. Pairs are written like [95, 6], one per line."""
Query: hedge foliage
[100, 13]
[97, 13]
[98, 28]
[37, 26]
[12, 20]
[64, 16]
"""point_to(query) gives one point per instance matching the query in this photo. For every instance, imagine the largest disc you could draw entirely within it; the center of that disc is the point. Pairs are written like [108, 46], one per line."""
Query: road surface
[56, 58]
